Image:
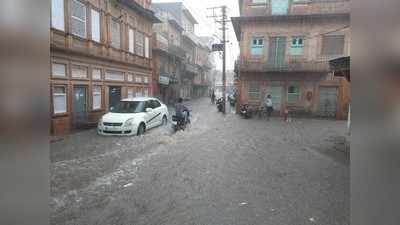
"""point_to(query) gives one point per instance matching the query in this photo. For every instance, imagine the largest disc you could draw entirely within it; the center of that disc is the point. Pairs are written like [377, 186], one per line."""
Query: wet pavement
[223, 170]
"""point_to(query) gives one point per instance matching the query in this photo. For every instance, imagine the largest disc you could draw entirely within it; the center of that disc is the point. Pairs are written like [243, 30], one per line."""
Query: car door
[158, 109]
[150, 116]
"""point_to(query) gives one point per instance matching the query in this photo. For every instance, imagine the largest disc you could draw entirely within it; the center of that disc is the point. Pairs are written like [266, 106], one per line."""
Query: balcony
[72, 44]
[292, 66]
[176, 51]
[191, 68]
[161, 43]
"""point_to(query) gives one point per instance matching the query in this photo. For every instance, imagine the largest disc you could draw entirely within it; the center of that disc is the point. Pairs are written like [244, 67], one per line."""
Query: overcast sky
[207, 27]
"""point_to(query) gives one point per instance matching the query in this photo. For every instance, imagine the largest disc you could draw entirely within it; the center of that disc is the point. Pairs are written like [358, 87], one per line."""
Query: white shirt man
[268, 101]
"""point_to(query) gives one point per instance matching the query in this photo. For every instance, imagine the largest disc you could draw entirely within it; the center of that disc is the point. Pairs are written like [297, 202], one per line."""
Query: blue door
[279, 7]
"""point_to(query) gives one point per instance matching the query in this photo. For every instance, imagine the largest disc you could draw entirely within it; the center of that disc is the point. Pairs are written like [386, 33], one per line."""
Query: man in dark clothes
[181, 110]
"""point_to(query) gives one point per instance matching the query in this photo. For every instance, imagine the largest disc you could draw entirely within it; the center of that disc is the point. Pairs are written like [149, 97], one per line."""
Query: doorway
[276, 96]
[114, 96]
[79, 103]
[327, 101]
[277, 50]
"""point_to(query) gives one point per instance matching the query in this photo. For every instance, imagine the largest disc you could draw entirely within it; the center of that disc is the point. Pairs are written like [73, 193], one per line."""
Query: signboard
[217, 47]
[163, 80]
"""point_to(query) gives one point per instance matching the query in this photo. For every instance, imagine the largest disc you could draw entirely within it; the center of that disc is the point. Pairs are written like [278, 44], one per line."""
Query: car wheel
[164, 121]
[141, 129]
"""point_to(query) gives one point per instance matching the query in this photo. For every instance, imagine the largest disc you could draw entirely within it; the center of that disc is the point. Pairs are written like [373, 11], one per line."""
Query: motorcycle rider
[181, 111]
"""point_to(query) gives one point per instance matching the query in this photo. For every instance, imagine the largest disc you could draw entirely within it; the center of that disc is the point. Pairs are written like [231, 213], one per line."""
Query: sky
[207, 26]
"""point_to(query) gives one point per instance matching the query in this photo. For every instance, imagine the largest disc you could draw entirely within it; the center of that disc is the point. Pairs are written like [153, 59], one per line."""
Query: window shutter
[96, 74]
[58, 69]
[96, 97]
[139, 44]
[59, 100]
[115, 34]
[57, 14]
[131, 41]
[146, 47]
[79, 71]
[95, 25]
[78, 18]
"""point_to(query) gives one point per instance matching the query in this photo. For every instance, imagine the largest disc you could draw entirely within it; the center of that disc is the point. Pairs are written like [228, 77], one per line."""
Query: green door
[327, 101]
[276, 52]
[276, 96]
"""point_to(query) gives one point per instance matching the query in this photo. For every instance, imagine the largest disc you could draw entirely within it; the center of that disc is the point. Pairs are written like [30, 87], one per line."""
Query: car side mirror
[149, 110]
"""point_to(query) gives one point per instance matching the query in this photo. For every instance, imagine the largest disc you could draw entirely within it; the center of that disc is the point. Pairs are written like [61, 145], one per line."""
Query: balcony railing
[191, 68]
[293, 66]
[161, 43]
[73, 44]
[176, 50]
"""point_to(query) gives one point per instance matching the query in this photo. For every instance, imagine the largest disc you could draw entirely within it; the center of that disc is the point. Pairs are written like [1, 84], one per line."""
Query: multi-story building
[100, 53]
[167, 57]
[192, 69]
[285, 49]
[203, 61]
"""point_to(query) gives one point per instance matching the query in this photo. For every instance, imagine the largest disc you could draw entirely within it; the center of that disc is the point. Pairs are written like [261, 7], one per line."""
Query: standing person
[268, 104]
[212, 97]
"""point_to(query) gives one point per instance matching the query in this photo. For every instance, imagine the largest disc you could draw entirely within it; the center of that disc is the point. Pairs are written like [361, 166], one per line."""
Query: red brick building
[285, 49]
[100, 53]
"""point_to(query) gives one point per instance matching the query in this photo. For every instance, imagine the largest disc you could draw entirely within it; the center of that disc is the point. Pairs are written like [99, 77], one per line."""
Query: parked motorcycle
[245, 111]
[220, 104]
[181, 123]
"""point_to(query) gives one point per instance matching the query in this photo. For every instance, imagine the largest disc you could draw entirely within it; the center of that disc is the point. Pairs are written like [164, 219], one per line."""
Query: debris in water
[128, 185]
[312, 219]
[243, 203]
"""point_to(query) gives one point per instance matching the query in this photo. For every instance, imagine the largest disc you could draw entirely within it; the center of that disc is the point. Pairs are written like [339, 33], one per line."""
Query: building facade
[285, 48]
[203, 61]
[100, 53]
[188, 73]
[168, 57]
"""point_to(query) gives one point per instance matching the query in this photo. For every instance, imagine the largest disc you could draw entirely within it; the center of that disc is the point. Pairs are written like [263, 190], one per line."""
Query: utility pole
[224, 56]
[223, 21]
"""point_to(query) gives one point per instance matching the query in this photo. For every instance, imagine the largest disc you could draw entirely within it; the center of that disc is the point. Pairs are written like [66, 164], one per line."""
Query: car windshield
[128, 107]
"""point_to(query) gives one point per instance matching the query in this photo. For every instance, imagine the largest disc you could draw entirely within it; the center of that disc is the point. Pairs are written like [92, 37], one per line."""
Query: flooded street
[223, 170]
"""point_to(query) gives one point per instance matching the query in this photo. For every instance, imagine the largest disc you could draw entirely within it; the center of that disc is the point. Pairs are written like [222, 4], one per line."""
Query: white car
[133, 116]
